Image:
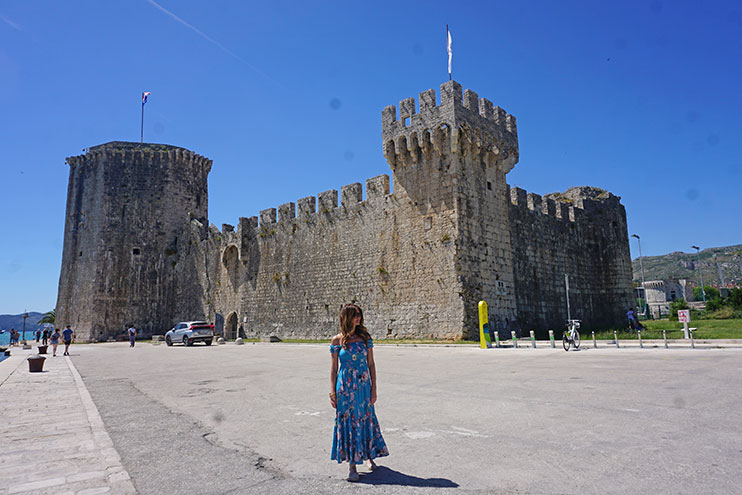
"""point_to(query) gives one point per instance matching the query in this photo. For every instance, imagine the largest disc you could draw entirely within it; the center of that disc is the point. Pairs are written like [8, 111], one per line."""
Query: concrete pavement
[255, 418]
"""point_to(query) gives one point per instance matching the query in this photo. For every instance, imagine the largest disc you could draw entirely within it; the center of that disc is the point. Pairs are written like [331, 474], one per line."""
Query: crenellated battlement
[570, 205]
[145, 153]
[326, 201]
[463, 123]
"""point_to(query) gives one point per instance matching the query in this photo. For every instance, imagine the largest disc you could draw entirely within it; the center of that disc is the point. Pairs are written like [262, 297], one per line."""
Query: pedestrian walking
[132, 335]
[45, 336]
[38, 335]
[67, 335]
[357, 435]
[632, 319]
[55, 341]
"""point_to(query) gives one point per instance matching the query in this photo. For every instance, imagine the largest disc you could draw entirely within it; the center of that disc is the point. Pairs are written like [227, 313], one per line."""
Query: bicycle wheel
[577, 339]
[565, 342]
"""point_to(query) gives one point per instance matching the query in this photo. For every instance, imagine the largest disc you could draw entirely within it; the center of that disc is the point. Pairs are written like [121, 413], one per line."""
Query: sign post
[684, 317]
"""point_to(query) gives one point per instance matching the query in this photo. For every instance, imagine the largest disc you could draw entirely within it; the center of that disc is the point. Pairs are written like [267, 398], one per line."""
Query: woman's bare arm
[372, 373]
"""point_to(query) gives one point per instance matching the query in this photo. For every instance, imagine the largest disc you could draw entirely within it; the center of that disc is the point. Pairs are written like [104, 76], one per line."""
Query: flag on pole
[450, 53]
[147, 93]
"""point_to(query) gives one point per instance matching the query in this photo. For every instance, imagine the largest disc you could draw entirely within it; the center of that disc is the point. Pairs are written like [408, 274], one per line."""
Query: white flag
[449, 50]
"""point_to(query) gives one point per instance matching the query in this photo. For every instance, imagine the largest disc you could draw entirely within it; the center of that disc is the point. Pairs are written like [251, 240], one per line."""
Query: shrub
[714, 304]
[723, 313]
[735, 298]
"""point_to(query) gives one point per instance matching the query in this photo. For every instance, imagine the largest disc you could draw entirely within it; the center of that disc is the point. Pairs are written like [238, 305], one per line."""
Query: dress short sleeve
[335, 348]
[370, 343]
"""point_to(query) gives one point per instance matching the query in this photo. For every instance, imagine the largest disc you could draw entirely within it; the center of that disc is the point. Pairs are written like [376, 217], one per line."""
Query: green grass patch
[705, 329]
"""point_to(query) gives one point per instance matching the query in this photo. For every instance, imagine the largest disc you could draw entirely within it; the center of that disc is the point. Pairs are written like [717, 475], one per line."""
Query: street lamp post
[698, 252]
[23, 339]
[641, 264]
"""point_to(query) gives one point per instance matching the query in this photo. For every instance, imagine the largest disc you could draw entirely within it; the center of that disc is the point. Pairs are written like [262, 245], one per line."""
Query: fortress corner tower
[127, 204]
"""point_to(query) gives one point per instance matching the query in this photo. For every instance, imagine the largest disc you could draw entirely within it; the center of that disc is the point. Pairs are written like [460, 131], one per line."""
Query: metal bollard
[497, 338]
[515, 340]
[595, 341]
[692, 340]
[533, 340]
[664, 337]
[615, 337]
[639, 333]
[551, 338]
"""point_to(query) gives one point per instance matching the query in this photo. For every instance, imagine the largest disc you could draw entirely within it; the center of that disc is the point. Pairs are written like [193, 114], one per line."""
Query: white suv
[189, 332]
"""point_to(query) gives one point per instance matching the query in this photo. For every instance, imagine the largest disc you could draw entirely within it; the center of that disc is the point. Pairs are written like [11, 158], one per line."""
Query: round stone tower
[127, 206]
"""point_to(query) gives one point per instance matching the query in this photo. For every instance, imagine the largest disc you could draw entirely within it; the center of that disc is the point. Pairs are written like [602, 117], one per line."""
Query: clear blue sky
[641, 98]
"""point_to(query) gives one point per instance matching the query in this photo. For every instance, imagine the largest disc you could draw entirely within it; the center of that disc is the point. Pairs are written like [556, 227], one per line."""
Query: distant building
[660, 293]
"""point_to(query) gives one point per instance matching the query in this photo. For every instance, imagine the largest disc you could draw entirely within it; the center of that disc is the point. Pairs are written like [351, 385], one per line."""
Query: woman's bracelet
[332, 395]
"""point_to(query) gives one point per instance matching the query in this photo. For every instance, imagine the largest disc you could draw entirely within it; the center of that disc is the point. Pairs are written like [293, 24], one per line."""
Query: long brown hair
[347, 331]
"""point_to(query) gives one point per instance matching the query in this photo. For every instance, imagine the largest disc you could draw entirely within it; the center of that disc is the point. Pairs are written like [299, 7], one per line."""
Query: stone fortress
[138, 247]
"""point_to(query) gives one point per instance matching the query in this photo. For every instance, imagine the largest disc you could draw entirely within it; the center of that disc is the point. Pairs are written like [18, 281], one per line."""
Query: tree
[48, 317]
[711, 293]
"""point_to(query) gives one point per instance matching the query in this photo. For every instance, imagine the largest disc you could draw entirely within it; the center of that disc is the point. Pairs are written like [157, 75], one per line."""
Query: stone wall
[289, 274]
[581, 233]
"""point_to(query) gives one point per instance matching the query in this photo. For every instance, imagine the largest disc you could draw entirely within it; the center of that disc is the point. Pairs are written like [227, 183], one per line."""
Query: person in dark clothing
[67, 336]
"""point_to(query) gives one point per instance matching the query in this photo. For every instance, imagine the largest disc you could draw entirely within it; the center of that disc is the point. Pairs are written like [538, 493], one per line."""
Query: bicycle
[571, 336]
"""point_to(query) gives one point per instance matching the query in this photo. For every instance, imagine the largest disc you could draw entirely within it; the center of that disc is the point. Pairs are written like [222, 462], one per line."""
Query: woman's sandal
[372, 465]
[353, 476]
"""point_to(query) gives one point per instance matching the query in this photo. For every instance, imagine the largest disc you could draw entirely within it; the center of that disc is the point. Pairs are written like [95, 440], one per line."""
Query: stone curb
[116, 474]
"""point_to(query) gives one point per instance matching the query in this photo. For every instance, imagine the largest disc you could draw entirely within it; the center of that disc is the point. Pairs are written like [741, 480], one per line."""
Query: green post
[551, 338]
[515, 340]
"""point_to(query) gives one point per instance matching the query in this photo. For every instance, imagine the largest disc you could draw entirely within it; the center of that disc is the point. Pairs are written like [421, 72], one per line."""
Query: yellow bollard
[484, 328]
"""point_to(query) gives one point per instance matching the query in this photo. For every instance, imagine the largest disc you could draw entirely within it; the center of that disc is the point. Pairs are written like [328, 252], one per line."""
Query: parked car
[189, 332]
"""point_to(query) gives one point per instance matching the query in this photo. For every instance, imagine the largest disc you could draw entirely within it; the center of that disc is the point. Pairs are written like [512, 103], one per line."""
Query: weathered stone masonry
[417, 260]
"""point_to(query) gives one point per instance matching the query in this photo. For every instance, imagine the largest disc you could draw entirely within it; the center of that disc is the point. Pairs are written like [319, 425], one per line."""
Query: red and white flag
[147, 93]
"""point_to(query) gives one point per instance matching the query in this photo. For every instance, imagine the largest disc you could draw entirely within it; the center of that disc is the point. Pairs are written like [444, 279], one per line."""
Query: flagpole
[141, 135]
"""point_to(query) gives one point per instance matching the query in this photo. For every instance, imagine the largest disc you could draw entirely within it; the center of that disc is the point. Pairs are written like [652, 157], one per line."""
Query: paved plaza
[457, 419]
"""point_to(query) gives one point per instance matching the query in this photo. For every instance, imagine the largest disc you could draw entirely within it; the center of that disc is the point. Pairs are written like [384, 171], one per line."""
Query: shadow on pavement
[385, 476]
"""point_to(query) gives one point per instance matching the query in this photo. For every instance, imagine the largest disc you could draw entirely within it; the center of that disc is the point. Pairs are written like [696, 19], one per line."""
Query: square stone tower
[456, 155]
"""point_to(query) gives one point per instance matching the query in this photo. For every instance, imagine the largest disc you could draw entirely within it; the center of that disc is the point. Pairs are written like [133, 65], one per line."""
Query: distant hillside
[686, 265]
[16, 321]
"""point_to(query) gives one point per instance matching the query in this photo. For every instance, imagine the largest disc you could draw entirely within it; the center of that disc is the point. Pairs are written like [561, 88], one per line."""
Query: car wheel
[207, 341]
[186, 342]
[168, 341]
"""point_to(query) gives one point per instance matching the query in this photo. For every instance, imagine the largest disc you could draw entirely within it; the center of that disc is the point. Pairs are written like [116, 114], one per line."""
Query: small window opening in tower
[136, 251]
[80, 255]
[489, 185]
[407, 122]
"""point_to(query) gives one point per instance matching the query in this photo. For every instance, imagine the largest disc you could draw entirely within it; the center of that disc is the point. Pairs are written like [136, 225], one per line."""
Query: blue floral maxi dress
[357, 435]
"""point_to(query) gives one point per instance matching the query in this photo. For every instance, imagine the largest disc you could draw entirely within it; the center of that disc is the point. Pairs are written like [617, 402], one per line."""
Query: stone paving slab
[54, 441]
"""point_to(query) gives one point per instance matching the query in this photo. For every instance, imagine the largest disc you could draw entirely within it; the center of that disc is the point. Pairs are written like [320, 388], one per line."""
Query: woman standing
[55, 341]
[357, 435]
